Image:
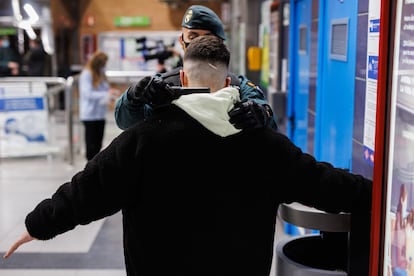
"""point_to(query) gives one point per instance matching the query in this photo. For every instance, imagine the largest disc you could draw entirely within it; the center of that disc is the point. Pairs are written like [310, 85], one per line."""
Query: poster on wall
[23, 120]
[371, 81]
[399, 218]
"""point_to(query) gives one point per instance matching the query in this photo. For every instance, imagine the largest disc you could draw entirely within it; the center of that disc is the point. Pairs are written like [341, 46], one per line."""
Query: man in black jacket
[189, 204]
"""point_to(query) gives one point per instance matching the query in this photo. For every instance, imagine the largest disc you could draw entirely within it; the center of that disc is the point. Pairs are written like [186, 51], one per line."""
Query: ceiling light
[33, 17]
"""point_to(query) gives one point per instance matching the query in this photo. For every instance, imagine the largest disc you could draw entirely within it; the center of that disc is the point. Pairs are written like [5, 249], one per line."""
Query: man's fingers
[11, 250]
[237, 109]
[14, 248]
[23, 239]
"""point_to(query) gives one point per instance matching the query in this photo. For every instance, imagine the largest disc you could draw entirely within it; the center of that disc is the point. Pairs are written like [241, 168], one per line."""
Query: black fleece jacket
[194, 203]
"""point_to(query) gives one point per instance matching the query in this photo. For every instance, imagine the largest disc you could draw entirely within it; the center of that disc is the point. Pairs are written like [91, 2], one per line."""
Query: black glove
[158, 93]
[250, 115]
[134, 92]
[153, 91]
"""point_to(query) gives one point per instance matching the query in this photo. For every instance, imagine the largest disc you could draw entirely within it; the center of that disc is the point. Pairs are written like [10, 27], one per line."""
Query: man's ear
[227, 82]
[181, 40]
[183, 79]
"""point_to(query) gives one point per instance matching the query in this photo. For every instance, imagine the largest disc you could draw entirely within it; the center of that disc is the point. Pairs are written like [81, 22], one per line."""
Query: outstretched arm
[24, 238]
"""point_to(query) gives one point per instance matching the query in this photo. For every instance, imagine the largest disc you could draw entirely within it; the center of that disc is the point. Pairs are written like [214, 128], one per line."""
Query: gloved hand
[157, 93]
[134, 92]
[153, 91]
[250, 115]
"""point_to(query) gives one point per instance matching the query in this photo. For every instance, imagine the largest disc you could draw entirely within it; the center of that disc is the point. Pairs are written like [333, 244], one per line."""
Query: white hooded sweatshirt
[211, 109]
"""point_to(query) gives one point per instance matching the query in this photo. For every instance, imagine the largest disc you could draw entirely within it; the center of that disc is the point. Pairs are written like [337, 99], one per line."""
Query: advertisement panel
[372, 80]
[399, 212]
[23, 119]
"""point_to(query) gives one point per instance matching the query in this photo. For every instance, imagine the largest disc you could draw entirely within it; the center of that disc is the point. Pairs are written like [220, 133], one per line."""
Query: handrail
[127, 76]
[114, 74]
[59, 81]
[68, 114]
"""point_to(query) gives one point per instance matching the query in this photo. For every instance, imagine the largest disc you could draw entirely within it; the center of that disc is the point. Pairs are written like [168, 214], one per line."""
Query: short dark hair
[206, 62]
[208, 48]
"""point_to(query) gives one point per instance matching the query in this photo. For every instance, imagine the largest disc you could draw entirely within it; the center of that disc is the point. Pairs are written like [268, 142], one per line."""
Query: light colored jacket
[93, 102]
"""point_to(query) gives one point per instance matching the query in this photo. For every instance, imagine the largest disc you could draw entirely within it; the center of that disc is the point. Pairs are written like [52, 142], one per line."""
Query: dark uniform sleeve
[127, 112]
[4, 71]
[251, 91]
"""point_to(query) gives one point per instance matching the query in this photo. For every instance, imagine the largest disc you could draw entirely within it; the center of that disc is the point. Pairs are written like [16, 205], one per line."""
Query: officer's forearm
[127, 113]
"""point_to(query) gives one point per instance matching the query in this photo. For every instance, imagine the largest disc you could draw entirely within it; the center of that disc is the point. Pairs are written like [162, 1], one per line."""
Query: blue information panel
[23, 119]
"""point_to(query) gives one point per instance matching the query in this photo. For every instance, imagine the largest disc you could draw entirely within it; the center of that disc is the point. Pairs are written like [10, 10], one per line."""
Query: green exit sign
[132, 21]
[8, 31]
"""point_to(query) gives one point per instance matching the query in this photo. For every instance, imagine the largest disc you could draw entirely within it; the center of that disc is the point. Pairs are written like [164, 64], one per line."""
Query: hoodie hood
[211, 109]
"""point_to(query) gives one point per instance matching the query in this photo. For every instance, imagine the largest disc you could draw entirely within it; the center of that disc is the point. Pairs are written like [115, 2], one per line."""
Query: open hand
[24, 238]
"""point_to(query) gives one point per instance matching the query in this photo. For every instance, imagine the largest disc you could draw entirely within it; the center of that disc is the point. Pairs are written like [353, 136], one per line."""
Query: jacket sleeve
[251, 91]
[4, 70]
[319, 184]
[107, 184]
[128, 113]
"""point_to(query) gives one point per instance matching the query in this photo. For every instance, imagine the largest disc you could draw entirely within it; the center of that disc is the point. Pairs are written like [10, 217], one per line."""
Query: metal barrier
[127, 76]
[68, 86]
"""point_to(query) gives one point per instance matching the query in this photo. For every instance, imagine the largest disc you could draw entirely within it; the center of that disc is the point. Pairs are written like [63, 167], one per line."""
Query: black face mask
[185, 43]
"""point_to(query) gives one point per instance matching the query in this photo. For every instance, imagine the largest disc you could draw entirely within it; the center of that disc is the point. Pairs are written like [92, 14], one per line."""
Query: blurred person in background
[9, 59]
[35, 60]
[95, 94]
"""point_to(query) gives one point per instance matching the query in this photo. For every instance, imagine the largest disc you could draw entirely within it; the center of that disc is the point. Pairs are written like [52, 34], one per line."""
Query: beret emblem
[188, 16]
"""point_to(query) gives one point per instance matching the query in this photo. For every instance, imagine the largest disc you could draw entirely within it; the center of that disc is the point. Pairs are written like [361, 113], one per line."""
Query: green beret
[200, 17]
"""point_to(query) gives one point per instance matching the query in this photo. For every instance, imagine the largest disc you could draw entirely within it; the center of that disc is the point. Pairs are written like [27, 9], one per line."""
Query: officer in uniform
[138, 101]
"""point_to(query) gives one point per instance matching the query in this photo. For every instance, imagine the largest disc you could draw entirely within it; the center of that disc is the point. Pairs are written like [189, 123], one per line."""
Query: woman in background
[95, 94]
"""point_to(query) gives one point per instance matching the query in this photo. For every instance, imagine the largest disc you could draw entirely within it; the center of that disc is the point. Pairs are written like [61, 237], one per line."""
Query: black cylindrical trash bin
[311, 255]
